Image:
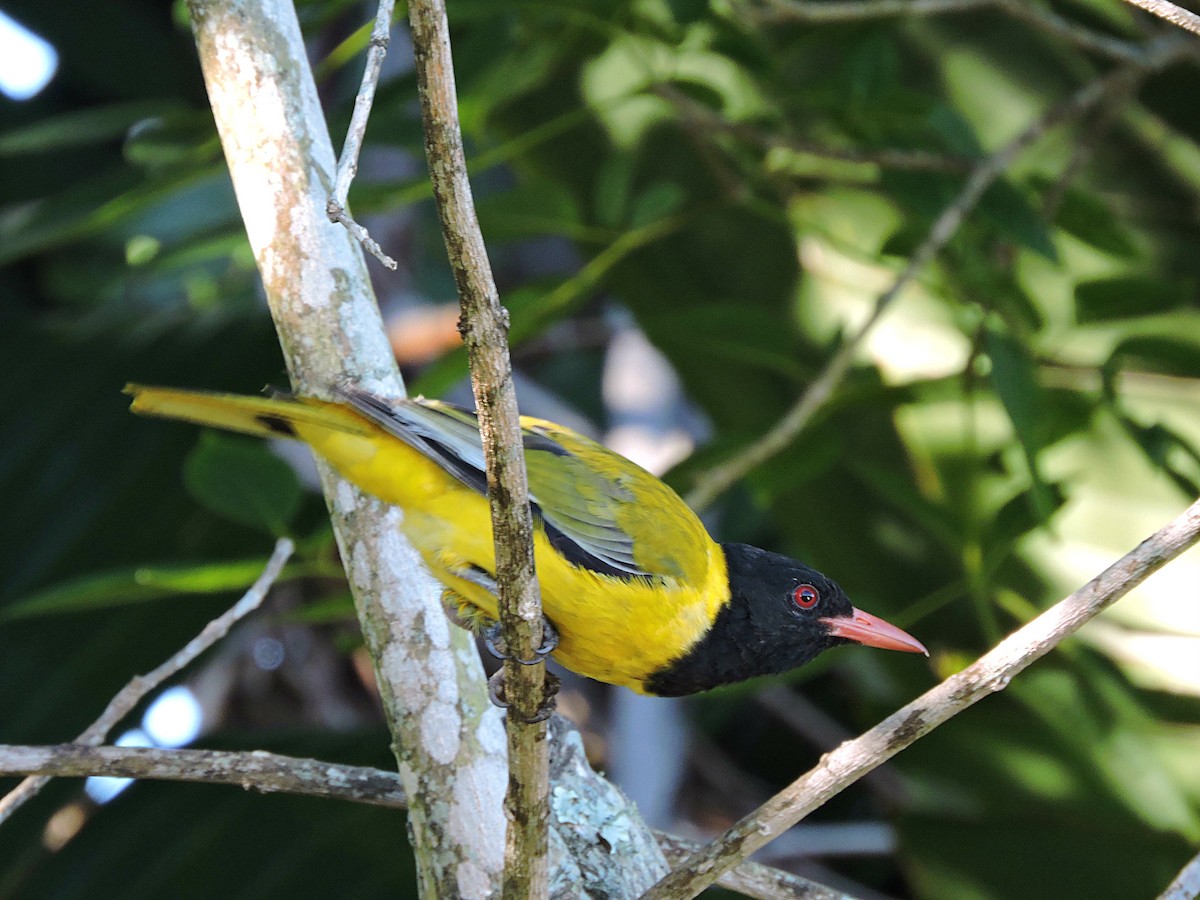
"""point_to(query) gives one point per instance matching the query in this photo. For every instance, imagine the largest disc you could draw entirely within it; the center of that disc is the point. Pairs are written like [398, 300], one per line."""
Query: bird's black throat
[757, 631]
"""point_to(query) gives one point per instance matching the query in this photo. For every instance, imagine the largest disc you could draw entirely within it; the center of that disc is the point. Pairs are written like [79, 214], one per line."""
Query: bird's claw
[494, 641]
[496, 693]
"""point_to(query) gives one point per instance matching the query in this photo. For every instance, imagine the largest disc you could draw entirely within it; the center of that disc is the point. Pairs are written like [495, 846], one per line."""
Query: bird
[634, 589]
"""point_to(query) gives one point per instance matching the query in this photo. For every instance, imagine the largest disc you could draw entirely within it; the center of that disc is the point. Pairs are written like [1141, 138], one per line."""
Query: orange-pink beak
[872, 631]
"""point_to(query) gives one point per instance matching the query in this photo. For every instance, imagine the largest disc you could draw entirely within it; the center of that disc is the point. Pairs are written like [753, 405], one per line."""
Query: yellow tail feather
[258, 416]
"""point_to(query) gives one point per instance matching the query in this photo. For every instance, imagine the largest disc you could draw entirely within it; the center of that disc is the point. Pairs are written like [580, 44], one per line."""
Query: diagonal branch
[142, 685]
[337, 207]
[991, 672]
[719, 479]
[1176, 15]
[484, 325]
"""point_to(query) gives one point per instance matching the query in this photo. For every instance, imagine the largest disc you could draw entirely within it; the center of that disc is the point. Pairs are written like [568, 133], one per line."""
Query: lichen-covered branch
[484, 326]
[448, 740]
[139, 687]
[990, 673]
[255, 770]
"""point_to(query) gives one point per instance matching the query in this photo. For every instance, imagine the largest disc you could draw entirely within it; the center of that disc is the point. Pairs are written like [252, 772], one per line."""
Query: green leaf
[243, 481]
[872, 69]
[1150, 353]
[338, 608]
[179, 139]
[1014, 520]
[120, 587]
[656, 203]
[1169, 452]
[1088, 218]
[613, 185]
[1014, 379]
[1129, 296]
[80, 128]
[1008, 210]
[533, 209]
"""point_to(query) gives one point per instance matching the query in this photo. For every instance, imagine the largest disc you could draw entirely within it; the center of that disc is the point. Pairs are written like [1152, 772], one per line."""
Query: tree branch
[719, 479]
[1176, 15]
[142, 685]
[446, 737]
[1186, 885]
[337, 207]
[484, 326]
[991, 672]
[267, 773]
[256, 770]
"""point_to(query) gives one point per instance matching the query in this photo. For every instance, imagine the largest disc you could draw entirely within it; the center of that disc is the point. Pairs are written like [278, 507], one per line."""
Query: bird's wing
[600, 510]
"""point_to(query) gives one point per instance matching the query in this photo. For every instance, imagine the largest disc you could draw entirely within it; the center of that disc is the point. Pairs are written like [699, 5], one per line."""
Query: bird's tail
[258, 416]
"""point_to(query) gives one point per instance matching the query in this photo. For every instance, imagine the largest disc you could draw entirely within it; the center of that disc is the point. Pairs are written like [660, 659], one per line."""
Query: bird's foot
[494, 641]
[496, 693]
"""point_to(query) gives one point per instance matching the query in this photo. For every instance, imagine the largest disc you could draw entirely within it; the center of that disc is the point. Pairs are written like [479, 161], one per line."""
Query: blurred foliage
[745, 183]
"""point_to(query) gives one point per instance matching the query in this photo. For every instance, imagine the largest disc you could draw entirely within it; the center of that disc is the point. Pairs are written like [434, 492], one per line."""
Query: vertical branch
[446, 739]
[484, 326]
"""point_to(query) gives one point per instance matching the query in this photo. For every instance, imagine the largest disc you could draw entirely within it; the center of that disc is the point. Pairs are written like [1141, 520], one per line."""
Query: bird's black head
[781, 614]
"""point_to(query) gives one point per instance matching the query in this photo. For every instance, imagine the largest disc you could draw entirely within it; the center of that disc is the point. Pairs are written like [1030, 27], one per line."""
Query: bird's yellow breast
[614, 629]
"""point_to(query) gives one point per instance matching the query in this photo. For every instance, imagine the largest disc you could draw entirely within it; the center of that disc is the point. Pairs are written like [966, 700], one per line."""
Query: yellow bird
[638, 592]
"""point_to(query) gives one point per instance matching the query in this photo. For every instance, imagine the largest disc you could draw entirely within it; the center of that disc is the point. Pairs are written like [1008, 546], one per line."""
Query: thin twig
[485, 332]
[1186, 885]
[141, 685]
[820, 12]
[709, 486]
[1176, 15]
[337, 208]
[255, 770]
[991, 672]
[265, 772]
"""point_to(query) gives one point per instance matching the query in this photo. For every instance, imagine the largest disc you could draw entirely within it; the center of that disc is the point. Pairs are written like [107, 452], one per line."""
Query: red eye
[805, 596]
